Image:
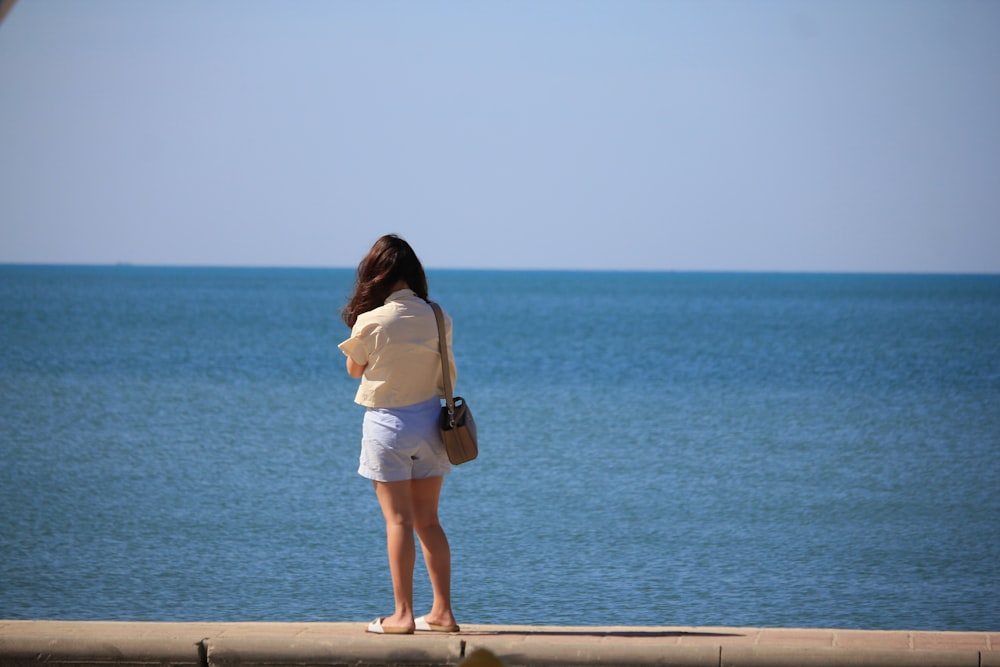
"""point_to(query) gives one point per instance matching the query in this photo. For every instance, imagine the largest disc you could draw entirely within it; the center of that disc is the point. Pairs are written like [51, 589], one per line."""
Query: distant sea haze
[795, 450]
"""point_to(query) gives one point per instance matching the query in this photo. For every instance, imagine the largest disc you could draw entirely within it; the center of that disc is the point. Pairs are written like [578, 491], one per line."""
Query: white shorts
[403, 443]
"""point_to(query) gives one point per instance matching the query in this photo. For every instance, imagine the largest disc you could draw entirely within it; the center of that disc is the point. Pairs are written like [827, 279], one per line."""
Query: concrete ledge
[99, 650]
[515, 653]
[562, 655]
[389, 650]
[124, 644]
[780, 656]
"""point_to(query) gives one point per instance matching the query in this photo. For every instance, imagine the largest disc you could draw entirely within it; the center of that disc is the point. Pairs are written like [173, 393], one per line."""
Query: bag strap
[445, 366]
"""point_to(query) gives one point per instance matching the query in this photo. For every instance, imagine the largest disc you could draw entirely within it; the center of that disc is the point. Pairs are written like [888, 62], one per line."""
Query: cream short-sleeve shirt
[397, 343]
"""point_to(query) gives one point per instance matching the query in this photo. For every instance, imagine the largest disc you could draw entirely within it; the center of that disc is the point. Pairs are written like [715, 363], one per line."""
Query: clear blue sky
[837, 135]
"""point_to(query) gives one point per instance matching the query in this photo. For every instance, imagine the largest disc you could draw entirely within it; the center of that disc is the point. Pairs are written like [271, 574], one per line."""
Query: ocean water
[795, 450]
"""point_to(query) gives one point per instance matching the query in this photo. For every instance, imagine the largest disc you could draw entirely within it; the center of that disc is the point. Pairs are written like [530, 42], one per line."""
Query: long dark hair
[390, 260]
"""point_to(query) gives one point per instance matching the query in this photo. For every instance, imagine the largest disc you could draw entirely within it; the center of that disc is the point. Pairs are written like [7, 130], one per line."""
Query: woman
[393, 348]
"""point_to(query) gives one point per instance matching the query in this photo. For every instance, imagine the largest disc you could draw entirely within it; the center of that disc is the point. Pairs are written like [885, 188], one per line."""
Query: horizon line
[430, 268]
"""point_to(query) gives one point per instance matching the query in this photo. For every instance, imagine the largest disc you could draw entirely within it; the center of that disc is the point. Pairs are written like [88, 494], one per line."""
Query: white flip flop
[424, 626]
[377, 628]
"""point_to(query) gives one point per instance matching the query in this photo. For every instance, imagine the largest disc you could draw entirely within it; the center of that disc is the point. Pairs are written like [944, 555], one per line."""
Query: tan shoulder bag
[458, 428]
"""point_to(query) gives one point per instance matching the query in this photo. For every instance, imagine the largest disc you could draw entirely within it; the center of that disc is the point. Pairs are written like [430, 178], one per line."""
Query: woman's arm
[354, 369]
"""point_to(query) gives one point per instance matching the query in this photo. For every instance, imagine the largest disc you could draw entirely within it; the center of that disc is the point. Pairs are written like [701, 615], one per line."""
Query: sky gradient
[841, 135]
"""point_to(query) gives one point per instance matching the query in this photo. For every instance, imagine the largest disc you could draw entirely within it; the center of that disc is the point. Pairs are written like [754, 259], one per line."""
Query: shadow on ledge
[600, 633]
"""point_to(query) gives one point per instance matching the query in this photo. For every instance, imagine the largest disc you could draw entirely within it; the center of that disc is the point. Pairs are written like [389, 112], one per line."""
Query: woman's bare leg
[434, 543]
[396, 501]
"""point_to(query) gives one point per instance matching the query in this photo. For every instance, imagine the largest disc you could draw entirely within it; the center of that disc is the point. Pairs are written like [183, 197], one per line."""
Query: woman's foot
[424, 624]
[379, 627]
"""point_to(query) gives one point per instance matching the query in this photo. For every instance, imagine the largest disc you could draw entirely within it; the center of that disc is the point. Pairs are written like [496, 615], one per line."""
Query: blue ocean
[797, 450]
